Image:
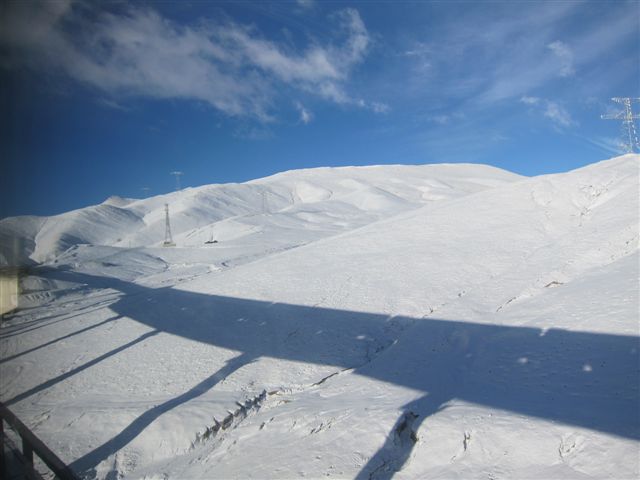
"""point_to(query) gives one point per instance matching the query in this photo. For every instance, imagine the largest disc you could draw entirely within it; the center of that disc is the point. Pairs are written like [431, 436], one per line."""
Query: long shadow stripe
[79, 369]
[51, 342]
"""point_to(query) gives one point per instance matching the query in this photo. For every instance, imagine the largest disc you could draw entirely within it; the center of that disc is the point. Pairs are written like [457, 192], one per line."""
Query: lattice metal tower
[629, 140]
[177, 175]
[168, 239]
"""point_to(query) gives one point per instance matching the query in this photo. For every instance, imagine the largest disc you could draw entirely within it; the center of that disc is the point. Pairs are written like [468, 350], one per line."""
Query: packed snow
[436, 321]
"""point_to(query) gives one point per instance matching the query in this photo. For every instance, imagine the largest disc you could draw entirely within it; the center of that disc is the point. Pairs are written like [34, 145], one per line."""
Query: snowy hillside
[310, 203]
[446, 321]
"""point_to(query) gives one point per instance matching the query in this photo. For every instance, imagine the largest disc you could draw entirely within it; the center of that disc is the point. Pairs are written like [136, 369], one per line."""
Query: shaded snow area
[445, 321]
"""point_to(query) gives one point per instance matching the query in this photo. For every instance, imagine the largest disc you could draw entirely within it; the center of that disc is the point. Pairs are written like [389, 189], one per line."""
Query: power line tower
[168, 239]
[177, 175]
[629, 140]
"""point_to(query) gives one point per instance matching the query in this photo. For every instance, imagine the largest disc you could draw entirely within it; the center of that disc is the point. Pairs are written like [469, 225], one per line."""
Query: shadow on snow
[584, 379]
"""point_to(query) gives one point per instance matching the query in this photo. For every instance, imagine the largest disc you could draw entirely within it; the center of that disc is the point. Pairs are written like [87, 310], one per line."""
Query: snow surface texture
[445, 321]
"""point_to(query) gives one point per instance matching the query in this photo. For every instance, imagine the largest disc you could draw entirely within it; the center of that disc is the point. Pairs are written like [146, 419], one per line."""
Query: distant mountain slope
[494, 248]
[313, 203]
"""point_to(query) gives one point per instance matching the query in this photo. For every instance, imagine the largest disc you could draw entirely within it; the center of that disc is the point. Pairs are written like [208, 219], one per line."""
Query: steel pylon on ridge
[168, 239]
[629, 140]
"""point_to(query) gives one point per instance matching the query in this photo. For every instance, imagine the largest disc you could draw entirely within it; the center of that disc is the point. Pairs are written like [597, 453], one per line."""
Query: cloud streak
[499, 56]
[558, 115]
[565, 56]
[305, 115]
[555, 112]
[137, 52]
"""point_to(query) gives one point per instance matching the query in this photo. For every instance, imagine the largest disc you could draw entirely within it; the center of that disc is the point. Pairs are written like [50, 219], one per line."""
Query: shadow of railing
[91, 459]
[59, 339]
[584, 379]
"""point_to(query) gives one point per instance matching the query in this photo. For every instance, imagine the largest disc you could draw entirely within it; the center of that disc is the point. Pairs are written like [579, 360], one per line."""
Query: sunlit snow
[440, 321]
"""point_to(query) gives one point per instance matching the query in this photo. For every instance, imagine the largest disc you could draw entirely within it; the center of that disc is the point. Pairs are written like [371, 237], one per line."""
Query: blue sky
[107, 98]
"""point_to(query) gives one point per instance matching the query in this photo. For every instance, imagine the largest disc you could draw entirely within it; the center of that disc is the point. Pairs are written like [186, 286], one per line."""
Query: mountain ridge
[364, 193]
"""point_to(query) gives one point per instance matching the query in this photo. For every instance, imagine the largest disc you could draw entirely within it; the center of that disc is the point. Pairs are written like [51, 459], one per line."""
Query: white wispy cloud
[446, 118]
[555, 112]
[306, 4]
[137, 52]
[565, 56]
[378, 107]
[610, 145]
[253, 132]
[305, 115]
[418, 49]
[491, 57]
[108, 103]
[530, 100]
[440, 119]
[558, 115]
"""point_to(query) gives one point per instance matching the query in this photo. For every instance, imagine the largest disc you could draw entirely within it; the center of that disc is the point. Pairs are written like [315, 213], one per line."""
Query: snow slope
[283, 210]
[432, 322]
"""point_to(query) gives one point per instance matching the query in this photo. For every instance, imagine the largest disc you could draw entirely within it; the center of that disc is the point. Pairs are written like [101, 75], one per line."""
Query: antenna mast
[168, 239]
[177, 175]
[629, 141]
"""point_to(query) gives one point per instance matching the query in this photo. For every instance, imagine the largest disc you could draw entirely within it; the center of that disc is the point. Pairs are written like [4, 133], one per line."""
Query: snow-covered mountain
[310, 203]
[445, 321]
